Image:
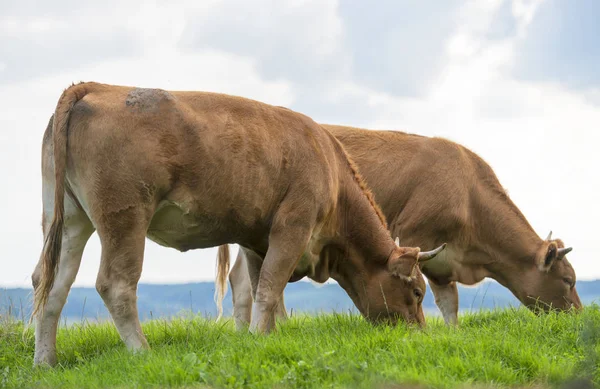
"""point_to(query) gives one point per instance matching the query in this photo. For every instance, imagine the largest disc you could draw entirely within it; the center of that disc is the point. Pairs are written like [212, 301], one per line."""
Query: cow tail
[221, 279]
[53, 240]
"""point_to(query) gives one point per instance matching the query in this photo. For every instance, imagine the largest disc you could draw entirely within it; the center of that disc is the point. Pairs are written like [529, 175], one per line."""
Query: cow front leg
[280, 310]
[244, 278]
[446, 298]
[286, 246]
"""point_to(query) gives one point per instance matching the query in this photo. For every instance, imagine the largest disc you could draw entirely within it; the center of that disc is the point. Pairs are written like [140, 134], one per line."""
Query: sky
[516, 81]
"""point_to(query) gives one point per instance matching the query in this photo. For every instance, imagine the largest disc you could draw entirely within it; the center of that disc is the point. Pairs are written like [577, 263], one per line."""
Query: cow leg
[76, 232]
[280, 311]
[123, 240]
[446, 298]
[244, 278]
[287, 243]
[241, 292]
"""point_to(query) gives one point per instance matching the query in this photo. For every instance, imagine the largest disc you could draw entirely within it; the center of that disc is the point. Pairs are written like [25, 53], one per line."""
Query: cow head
[396, 291]
[550, 283]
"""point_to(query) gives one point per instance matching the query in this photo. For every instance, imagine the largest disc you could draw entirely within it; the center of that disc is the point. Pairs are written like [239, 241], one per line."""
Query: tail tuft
[221, 279]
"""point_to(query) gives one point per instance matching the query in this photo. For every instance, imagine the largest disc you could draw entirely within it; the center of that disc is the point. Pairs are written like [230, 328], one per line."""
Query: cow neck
[350, 275]
[361, 231]
[362, 243]
[506, 234]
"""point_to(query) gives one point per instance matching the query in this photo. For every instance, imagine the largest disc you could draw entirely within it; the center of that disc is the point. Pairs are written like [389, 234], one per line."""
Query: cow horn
[397, 241]
[562, 252]
[549, 236]
[427, 255]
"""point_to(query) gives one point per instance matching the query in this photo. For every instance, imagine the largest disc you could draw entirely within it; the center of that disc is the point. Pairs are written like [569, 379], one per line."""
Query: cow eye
[418, 293]
[568, 281]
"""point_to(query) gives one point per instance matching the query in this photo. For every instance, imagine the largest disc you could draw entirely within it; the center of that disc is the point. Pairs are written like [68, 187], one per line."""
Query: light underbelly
[311, 264]
[305, 267]
[175, 226]
[449, 266]
[440, 268]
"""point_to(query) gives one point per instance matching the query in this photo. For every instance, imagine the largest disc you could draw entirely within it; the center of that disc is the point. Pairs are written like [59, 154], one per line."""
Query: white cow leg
[77, 230]
[120, 271]
[446, 298]
[241, 292]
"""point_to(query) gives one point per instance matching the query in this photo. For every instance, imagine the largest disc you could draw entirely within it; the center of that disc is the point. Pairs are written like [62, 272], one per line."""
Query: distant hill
[170, 300]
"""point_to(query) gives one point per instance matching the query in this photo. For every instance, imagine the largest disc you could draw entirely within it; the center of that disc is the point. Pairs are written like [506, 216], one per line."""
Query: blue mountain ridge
[156, 301]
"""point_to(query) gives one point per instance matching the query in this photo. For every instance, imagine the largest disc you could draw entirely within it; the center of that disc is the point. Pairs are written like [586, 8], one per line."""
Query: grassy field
[510, 348]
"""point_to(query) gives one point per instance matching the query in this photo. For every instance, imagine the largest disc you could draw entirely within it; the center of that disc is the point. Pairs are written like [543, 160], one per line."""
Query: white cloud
[12, 26]
[296, 39]
[539, 137]
[525, 10]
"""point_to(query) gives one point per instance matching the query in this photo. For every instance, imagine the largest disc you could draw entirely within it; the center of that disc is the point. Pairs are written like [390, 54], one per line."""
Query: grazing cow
[432, 190]
[192, 170]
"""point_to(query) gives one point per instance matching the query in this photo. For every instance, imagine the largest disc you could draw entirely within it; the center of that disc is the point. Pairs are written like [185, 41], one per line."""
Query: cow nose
[415, 322]
[574, 303]
[576, 307]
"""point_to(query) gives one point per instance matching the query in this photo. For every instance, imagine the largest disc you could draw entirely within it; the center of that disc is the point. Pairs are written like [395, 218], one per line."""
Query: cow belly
[440, 269]
[305, 267]
[449, 266]
[174, 226]
[310, 265]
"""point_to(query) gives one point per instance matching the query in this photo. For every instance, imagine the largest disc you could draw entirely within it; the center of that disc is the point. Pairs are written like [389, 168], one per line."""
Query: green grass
[510, 348]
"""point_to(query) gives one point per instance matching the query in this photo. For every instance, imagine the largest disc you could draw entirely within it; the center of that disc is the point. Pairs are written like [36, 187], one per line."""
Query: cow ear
[548, 258]
[402, 263]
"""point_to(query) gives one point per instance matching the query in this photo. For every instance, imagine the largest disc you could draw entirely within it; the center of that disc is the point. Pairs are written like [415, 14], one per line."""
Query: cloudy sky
[517, 81]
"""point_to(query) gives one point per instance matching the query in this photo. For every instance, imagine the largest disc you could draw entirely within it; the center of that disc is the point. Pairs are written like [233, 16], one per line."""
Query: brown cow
[192, 170]
[433, 190]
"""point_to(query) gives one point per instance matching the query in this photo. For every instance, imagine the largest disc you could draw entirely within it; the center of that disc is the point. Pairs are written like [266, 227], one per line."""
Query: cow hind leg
[77, 230]
[241, 292]
[446, 298]
[287, 243]
[123, 240]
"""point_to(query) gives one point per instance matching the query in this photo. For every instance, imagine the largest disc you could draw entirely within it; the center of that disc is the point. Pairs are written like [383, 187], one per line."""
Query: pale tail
[53, 239]
[221, 279]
